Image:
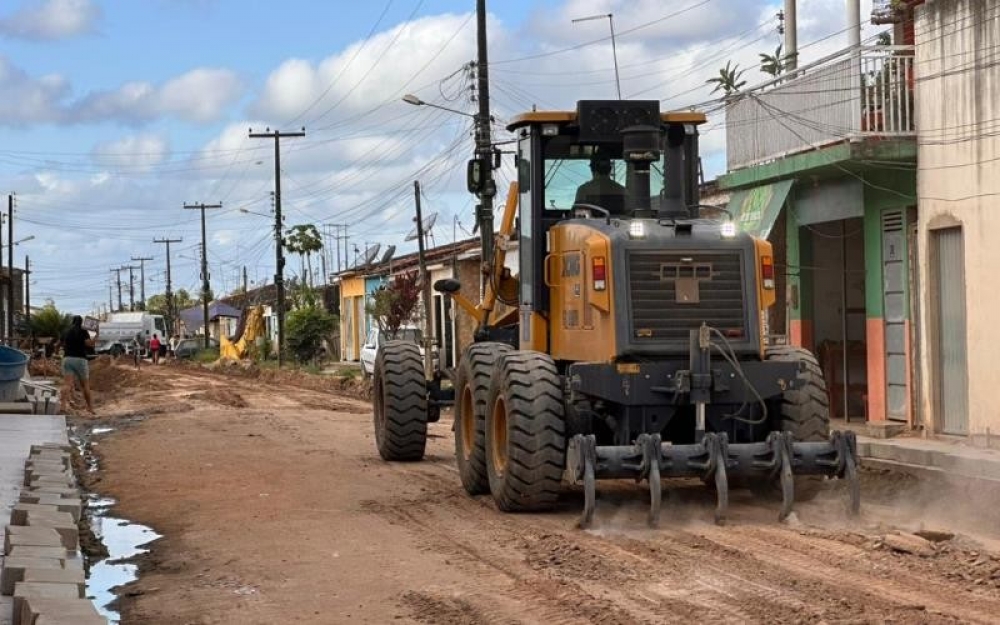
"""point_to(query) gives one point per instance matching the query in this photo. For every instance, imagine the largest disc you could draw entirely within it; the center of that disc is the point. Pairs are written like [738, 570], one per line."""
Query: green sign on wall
[755, 210]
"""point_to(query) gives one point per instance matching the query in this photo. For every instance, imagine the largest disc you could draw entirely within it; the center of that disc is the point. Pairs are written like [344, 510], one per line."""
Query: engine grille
[711, 286]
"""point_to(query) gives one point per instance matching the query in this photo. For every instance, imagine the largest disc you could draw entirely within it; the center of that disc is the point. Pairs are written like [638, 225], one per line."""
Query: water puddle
[122, 539]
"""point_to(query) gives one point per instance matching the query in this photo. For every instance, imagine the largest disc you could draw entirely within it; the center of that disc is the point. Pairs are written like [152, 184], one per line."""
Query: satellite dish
[389, 251]
[370, 254]
[429, 222]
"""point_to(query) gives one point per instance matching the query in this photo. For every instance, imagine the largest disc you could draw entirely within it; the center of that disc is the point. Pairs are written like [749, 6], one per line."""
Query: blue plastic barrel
[13, 363]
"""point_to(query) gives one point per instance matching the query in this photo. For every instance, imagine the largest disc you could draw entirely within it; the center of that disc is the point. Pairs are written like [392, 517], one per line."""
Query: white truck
[116, 334]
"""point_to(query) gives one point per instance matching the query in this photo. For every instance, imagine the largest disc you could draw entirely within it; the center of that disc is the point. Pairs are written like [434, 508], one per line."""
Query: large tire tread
[475, 369]
[400, 392]
[531, 388]
[805, 411]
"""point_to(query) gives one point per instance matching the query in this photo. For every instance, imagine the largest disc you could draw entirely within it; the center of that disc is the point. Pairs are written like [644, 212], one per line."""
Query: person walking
[154, 349]
[75, 368]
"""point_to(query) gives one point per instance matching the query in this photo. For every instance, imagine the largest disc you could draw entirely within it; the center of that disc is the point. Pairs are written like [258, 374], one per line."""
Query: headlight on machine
[728, 230]
[637, 229]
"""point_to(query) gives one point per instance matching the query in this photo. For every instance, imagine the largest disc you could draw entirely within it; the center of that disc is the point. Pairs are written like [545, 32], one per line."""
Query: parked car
[187, 348]
[375, 340]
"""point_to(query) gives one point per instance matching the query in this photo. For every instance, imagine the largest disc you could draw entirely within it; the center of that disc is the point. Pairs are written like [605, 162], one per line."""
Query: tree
[728, 81]
[49, 322]
[773, 65]
[392, 305]
[157, 304]
[305, 330]
[304, 240]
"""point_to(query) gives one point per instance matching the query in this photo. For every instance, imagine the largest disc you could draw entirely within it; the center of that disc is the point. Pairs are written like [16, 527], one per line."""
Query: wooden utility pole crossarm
[279, 260]
[205, 287]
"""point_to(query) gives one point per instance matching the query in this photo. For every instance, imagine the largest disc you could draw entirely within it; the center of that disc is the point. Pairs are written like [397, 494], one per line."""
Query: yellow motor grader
[633, 342]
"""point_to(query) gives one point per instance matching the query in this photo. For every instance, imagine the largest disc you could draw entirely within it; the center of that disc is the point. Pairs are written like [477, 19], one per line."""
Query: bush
[305, 331]
[207, 355]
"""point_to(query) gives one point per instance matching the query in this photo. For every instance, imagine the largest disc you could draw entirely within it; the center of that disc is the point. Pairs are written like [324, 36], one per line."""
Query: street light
[614, 50]
[409, 98]
[250, 212]
[27, 238]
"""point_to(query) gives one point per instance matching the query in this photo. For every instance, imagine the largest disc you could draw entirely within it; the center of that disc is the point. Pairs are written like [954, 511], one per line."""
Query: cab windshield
[568, 168]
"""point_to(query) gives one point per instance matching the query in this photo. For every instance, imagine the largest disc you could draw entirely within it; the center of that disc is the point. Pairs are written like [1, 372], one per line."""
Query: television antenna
[389, 251]
[370, 254]
[428, 225]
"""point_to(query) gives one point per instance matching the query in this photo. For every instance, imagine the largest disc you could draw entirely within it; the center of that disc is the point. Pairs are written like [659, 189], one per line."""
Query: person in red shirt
[154, 347]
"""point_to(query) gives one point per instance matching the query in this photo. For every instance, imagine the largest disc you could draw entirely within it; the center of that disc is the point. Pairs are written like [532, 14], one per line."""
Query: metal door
[951, 379]
[894, 304]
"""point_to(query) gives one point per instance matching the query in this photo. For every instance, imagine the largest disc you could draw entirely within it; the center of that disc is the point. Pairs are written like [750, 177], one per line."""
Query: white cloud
[137, 153]
[201, 95]
[28, 99]
[46, 20]
[369, 72]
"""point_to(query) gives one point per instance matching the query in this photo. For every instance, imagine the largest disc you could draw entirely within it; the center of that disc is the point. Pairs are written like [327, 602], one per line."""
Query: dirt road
[276, 509]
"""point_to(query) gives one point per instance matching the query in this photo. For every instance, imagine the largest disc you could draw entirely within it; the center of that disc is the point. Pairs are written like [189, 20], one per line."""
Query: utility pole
[484, 145]
[279, 255]
[142, 280]
[791, 32]
[27, 298]
[118, 274]
[341, 237]
[10, 265]
[131, 287]
[111, 300]
[425, 279]
[205, 287]
[245, 290]
[171, 313]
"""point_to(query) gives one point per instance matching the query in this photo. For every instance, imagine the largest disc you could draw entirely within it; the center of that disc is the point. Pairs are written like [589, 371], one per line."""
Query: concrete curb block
[43, 567]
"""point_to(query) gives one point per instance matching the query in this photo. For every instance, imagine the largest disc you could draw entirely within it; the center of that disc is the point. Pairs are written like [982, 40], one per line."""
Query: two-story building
[958, 115]
[822, 162]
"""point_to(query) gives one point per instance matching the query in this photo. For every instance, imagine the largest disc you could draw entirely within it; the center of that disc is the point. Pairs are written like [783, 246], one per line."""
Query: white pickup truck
[116, 334]
[375, 340]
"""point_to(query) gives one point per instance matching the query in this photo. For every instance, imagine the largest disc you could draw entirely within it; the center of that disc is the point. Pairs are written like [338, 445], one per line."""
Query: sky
[115, 113]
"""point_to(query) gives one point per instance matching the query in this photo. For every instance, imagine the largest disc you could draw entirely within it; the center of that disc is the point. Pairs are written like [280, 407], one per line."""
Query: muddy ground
[276, 509]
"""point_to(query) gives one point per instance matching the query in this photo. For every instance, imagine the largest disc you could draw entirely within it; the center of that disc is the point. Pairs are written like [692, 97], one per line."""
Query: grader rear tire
[805, 411]
[399, 398]
[525, 432]
[472, 388]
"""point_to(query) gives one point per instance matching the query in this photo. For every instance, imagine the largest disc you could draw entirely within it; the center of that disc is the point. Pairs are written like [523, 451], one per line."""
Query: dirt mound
[106, 376]
[45, 367]
[221, 396]
[353, 387]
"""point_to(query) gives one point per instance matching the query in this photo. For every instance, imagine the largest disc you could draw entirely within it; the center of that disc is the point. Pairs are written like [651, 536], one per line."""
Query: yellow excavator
[253, 328]
[634, 343]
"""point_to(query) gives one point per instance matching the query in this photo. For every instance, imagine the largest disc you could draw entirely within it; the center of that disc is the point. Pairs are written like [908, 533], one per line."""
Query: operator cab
[608, 158]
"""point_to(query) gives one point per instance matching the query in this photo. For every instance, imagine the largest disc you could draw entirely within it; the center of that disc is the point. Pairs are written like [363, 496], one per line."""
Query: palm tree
[773, 65]
[304, 240]
[728, 81]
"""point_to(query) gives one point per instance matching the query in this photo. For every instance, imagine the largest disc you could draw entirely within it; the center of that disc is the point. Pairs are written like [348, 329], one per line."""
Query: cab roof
[568, 117]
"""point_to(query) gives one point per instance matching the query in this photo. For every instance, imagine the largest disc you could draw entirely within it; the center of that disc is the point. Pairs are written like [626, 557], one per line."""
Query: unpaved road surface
[276, 509]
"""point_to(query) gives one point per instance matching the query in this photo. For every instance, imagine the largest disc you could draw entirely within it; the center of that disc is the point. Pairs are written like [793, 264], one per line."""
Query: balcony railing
[854, 93]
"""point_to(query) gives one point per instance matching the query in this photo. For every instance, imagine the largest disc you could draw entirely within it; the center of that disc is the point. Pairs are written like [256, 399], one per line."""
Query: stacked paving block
[43, 569]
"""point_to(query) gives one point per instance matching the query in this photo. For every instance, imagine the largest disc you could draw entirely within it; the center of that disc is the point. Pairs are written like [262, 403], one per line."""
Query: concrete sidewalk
[17, 434]
[955, 459]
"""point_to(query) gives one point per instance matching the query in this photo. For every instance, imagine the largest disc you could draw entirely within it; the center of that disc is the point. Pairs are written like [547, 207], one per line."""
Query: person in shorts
[75, 368]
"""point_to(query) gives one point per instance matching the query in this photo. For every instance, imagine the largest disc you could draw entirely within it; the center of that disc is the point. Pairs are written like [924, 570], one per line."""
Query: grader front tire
[525, 432]
[399, 398]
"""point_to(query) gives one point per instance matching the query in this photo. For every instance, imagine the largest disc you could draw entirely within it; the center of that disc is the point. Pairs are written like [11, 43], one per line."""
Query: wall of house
[957, 108]
[352, 321]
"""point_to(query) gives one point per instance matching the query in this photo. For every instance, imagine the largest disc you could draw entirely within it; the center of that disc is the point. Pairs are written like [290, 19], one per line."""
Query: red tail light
[767, 271]
[599, 271]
